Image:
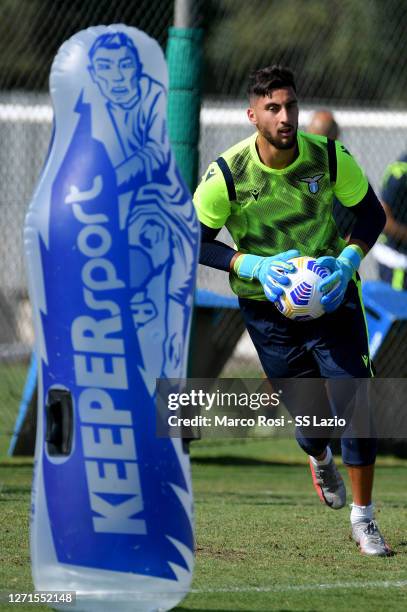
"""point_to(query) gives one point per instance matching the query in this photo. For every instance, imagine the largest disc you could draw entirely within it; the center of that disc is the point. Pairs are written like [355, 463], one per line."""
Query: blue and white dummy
[111, 242]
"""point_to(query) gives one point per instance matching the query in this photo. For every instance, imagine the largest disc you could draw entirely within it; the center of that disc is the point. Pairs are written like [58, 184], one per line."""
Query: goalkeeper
[274, 192]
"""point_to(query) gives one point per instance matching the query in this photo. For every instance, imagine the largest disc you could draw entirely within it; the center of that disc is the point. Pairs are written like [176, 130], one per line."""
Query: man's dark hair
[263, 81]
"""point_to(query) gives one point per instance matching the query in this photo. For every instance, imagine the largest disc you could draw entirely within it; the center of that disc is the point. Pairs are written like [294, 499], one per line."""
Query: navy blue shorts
[333, 346]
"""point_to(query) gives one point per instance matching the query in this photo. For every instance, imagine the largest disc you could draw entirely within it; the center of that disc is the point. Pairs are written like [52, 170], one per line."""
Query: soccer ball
[301, 299]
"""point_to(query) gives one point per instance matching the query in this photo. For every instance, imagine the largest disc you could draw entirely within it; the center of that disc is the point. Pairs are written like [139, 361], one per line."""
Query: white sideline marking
[385, 584]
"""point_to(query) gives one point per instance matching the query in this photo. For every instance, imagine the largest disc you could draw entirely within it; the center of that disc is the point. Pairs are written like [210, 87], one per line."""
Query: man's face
[114, 71]
[276, 117]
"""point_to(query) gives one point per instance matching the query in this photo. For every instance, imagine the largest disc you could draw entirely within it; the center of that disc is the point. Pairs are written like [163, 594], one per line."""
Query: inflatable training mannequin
[111, 242]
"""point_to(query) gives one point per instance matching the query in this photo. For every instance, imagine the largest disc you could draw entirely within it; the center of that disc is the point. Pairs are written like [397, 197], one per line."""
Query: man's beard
[282, 146]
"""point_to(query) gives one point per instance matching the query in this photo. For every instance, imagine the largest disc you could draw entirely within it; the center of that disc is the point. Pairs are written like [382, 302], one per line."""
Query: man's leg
[361, 479]
[359, 455]
[327, 480]
[279, 344]
[341, 355]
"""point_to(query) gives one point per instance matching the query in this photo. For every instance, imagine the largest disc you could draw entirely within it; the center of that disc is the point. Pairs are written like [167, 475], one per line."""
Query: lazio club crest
[313, 182]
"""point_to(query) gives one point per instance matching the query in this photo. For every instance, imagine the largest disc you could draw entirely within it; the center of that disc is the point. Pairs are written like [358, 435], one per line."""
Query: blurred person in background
[323, 123]
[391, 253]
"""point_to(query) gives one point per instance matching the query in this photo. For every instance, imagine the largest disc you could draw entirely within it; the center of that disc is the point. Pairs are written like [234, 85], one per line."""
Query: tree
[341, 50]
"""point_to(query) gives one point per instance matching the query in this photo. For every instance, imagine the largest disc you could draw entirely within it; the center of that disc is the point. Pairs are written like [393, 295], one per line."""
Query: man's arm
[352, 190]
[370, 221]
[155, 149]
[214, 253]
[212, 205]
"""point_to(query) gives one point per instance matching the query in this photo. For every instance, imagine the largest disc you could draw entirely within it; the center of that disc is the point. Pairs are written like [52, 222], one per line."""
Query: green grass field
[12, 381]
[264, 541]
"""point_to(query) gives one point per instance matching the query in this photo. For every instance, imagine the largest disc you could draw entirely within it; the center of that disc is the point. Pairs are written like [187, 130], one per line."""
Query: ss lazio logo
[312, 182]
